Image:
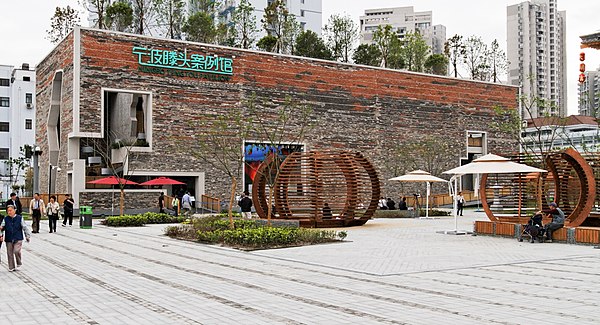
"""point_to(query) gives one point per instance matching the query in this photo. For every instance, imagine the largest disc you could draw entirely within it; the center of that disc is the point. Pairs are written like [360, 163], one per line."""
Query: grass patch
[249, 234]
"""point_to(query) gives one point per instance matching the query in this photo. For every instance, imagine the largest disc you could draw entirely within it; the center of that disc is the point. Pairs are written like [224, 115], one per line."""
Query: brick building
[148, 89]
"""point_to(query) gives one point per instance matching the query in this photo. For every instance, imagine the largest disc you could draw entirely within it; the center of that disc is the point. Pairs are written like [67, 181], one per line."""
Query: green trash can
[85, 217]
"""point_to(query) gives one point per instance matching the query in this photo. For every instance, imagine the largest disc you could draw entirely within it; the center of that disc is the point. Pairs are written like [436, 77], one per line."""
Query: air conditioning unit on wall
[30, 105]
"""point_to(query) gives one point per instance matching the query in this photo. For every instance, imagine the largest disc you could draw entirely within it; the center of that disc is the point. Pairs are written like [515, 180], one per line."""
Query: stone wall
[355, 107]
[133, 200]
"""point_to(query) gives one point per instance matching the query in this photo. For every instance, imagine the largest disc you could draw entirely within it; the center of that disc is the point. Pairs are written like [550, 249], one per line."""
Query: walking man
[246, 204]
[37, 209]
[13, 227]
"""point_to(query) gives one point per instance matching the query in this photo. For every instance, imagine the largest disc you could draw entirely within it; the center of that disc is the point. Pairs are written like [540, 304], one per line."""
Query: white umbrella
[489, 164]
[420, 176]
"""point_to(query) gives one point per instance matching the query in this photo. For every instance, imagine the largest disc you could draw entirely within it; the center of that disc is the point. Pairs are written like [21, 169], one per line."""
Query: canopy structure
[488, 164]
[161, 181]
[113, 180]
[420, 176]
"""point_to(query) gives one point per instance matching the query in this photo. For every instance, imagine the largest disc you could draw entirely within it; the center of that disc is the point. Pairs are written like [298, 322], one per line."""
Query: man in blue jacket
[13, 227]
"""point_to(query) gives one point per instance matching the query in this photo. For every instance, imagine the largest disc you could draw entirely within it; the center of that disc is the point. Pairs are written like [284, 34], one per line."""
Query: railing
[25, 200]
[437, 200]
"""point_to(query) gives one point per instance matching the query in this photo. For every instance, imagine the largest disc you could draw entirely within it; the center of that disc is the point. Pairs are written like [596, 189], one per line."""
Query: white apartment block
[536, 50]
[17, 120]
[589, 94]
[403, 20]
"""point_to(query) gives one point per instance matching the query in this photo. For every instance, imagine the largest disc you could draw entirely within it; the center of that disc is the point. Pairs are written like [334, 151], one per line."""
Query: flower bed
[250, 234]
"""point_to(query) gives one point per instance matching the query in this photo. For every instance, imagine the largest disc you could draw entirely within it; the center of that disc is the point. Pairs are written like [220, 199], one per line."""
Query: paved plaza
[387, 272]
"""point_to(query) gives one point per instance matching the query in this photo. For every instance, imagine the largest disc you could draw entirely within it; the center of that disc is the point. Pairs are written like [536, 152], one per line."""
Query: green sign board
[183, 64]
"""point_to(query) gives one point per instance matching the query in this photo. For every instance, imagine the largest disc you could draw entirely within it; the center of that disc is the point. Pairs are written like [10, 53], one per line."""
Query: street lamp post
[36, 169]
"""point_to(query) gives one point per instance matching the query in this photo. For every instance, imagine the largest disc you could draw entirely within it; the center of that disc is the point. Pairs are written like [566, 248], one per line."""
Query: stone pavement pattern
[388, 272]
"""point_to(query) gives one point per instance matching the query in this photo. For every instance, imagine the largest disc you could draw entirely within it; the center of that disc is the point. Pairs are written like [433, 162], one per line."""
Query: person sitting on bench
[558, 220]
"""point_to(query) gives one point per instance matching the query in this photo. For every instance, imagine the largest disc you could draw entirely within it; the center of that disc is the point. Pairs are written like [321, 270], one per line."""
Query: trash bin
[85, 217]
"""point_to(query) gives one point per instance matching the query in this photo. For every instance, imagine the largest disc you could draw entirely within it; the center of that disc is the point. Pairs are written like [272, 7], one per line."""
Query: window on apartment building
[4, 82]
[4, 153]
[28, 98]
[26, 78]
[302, 1]
[4, 102]
[4, 127]
[301, 13]
[302, 26]
[28, 124]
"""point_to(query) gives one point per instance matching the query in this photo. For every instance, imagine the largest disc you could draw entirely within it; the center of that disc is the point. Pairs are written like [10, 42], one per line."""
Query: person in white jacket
[52, 210]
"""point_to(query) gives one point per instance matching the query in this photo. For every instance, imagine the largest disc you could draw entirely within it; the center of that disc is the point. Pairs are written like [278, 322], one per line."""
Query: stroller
[533, 229]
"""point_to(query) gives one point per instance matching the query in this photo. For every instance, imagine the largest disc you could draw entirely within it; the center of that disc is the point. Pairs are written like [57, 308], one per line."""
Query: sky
[24, 24]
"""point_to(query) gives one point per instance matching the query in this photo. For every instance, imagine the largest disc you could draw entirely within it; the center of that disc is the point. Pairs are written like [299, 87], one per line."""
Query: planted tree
[16, 166]
[62, 23]
[244, 25]
[119, 16]
[170, 15]
[144, 12]
[200, 27]
[437, 64]
[367, 54]
[454, 48]
[279, 23]
[414, 51]
[309, 44]
[267, 43]
[340, 34]
[97, 9]
[389, 46]
[475, 57]
[498, 63]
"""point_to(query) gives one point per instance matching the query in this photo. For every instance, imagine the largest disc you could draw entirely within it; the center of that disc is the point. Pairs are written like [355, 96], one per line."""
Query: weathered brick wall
[359, 108]
[105, 200]
[61, 58]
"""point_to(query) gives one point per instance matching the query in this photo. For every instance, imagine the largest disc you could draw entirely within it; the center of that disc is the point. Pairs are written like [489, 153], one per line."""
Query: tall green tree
[367, 54]
[244, 25]
[144, 13]
[498, 62]
[474, 57]
[97, 9]
[207, 6]
[61, 24]
[309, 44]
[119, 16]
[388, 44]
[279, 23]
[454, 48]
[437, 64]
[414, 51]
[200, 27]
[340, 34]
[170, 15]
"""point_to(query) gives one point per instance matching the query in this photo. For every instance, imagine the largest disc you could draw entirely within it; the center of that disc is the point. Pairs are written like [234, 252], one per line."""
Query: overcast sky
[24, 23]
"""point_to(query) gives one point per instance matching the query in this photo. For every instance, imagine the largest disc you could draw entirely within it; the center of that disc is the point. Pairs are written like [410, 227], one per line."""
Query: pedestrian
[13, 227]
[68, 210]
[37, 209]
[558, 220]
[175, 204]
[246, 204]
[460, 202]
[382, 204]
[52, 211]
[402, 204]
[391, 205]
[186, 203]
[15, 202]
[161, 202]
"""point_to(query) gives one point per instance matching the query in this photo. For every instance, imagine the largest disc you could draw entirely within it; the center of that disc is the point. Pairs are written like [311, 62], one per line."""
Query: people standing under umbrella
[52, 212]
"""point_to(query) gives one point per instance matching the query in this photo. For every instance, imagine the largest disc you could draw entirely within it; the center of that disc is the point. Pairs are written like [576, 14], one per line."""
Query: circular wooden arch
[570, 173]
[307, 181]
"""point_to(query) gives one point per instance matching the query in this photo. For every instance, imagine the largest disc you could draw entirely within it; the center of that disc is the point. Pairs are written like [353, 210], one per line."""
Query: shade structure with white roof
[420, 176]
[489, 164]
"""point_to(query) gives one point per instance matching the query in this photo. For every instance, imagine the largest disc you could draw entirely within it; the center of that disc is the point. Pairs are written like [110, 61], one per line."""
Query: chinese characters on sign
[182, 64]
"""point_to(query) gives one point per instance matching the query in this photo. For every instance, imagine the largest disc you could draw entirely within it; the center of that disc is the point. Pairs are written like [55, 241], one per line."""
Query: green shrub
[141, 219]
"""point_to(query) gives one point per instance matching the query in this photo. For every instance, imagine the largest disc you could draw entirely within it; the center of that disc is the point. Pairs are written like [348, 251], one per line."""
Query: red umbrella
[112, 180]
[162, 181]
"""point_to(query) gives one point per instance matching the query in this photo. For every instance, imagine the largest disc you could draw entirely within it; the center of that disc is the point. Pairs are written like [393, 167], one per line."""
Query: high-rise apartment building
[589, 94]
[403, 20]
[536, 50]
[17, 120]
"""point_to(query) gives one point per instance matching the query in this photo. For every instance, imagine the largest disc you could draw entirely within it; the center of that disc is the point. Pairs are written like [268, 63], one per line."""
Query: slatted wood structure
[571, 182]
[345, 181]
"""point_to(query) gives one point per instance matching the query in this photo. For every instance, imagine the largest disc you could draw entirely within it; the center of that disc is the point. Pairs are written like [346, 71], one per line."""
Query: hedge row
[142, 219]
